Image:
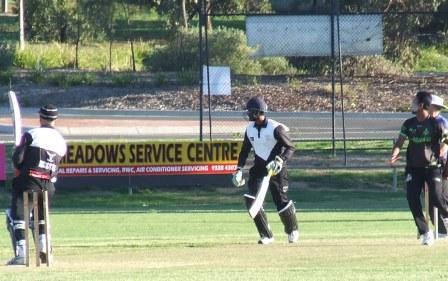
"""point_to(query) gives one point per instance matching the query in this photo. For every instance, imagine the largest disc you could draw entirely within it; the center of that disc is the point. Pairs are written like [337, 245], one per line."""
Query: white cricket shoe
[266, 240]
[293, 237]
[428, 238]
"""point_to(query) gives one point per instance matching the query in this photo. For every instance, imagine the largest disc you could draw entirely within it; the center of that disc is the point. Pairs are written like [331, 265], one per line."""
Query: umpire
[272, 147]
[423, 162]
[435, 111]
[36, 160]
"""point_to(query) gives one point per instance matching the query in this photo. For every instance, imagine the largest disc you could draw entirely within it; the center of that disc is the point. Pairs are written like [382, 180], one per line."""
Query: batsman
[272, 148]
[36, 160]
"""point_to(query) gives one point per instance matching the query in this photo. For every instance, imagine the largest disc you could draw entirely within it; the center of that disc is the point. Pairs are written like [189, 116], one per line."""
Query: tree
[401, 30]
[239, 6]
[130, 39]
[48, 20]
[177, 11]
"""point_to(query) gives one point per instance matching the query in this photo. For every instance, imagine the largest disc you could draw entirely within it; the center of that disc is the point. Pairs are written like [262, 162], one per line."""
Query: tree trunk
[78, 38]
[5, 6]
[209, 19]
[63, 34]
[22, 24]
[184, 14]
[130, 39]
[111, 36]
[133, 56]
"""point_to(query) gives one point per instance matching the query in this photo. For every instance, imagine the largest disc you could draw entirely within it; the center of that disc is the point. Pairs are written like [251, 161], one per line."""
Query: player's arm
[244, 153]
[283, 138]
[443, 127]
[395, 156]
[237, 177]
[19, 152]
[396, 150]
[443, 124]
[275, 166]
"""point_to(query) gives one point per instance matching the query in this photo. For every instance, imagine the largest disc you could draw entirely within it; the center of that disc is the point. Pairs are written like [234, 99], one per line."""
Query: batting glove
[237, 179]
[275, 166]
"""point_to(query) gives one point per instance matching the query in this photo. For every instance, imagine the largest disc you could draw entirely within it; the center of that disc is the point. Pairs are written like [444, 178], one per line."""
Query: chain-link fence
[328, 72]
[385, 58]
[331, 67]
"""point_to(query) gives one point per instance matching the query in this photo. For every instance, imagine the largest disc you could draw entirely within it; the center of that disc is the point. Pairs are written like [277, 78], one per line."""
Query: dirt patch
[362, 94]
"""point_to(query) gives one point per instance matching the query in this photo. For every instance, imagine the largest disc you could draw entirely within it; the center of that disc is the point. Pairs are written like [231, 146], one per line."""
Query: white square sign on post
[219, 80]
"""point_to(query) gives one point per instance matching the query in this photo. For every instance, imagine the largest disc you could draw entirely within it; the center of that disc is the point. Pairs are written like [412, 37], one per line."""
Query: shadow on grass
[226, 199]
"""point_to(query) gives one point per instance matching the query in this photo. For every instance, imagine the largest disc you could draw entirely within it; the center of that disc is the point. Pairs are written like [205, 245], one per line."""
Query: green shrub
[69, 79]
[433, 59]
[372, 66]
[37, 77]
[312, 65]
[226, 47]
[123, 79]
[180, 53]
[94, 56]
[229, 47]
[51, 55]
[294, 82]
[5, 77]
[277, 66]
[7, 53]
[188, 78]
[24, 60]
[160, 79]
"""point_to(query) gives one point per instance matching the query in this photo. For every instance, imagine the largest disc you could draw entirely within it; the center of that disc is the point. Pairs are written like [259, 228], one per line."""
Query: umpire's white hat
[437, 101]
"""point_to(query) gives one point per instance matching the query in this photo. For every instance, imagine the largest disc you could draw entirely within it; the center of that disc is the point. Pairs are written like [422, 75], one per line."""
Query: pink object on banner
[2, 162]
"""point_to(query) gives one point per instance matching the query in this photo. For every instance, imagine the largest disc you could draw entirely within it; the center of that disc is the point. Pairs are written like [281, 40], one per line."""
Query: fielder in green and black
[423, 162]
[272, 148]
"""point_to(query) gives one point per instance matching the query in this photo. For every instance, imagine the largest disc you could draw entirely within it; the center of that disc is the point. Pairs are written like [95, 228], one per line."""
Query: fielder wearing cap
[423, 160]
[36, 159]
[273, 147]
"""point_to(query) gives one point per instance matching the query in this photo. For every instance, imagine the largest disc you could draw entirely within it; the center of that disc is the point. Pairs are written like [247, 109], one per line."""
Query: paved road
[104, 124]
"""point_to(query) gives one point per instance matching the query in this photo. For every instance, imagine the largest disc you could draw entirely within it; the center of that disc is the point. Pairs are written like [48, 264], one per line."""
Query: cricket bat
[15, 115]
[261, 194]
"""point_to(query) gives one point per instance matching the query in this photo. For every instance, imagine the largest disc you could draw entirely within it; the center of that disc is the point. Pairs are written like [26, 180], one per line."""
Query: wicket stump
[26, 213]
[435, 213]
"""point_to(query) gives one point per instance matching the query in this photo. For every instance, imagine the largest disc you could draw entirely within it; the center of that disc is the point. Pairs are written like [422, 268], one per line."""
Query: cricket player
[272, 147]
[36, 160]
[423, 162]
[435, 110]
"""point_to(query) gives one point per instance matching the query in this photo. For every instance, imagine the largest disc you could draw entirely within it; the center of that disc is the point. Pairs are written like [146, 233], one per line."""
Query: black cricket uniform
[268, 141]
[37, 161]
[423, 165]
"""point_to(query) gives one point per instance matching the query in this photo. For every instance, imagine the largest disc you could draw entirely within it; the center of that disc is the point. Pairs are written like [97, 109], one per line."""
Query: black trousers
[415, 182]
[442, 228]
[278, 185]
[27, 183]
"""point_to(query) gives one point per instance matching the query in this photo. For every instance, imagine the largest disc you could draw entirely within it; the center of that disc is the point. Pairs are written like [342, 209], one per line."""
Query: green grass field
[205, 234]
